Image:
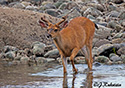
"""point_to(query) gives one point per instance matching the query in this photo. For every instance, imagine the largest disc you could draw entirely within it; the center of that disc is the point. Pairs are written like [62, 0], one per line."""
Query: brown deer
[75, 36]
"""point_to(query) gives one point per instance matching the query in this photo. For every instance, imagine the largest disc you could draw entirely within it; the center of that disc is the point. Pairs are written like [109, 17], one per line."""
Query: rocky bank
[23, 41]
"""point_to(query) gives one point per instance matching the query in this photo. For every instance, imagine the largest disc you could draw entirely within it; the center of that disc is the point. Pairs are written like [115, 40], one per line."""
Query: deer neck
[58, 41]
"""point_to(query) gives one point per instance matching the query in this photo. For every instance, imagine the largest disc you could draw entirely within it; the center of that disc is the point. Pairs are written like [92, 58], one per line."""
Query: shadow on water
[86, 84]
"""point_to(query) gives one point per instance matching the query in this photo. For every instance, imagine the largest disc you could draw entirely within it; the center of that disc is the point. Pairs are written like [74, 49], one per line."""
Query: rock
[105, 49]
[10, 55]
[10, 48]
[92, 11]
[68, 6]
[40, 60]
[123, 58]
[117, 1]
[19, 5]
[48, 48]
[38, 49]
[96, 64]
[101, 42]
[117, 40]
[24, 60]
[25, 3]
[63, 6]
[114, 14]
[102, 59]
[118, 27]
[80, 60]
[97, 6]
[123, 23]
[52, 12]
[33, 8]
[2, 55]
[58, 3]
[49, 6]
[17, 58]
[111, 7]
[111, 24]
[121, 51]
[118, 35]
[113, 57]
[102, 33]
[91, 17]
[122, 15]
[52, 54]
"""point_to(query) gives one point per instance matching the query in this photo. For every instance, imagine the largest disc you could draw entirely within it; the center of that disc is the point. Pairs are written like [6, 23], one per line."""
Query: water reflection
[87, 83]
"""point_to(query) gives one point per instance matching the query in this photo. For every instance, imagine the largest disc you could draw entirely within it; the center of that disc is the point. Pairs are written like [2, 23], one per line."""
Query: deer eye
[55, 30]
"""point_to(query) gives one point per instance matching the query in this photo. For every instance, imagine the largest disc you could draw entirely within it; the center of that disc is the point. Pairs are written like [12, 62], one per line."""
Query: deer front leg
[74, 53]
[64, 62]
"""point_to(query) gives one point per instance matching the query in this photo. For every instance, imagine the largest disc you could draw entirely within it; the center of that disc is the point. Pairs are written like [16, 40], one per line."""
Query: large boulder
[52, 54]
[38, 48]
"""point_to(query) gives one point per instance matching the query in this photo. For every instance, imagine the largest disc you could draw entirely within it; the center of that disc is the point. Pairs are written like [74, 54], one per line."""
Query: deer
[72, 37]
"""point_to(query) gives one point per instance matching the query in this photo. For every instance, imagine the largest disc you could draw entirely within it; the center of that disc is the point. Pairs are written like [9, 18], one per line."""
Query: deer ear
[42, 24]
[64, 24]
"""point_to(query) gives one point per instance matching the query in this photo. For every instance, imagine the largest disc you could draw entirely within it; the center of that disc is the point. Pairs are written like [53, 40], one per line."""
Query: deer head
[53, 29]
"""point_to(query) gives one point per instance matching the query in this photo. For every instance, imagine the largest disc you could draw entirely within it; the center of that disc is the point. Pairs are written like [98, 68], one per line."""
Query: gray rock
[2, 55]
[115, 58]
[52, 12]
[17, 58]
[102, 33]
[96, 64]
[102, 59]
[10, 48]
[118, 35]
[38, 49]
[49, 6]
[63, 6]
[91, 17]
[118, 27]
[10, 55]
[117, 1]
[111, 7]
[40, 60]
[19, 5]
[58, 3]
[33, 8]
[80, 60]
[24, 60]
[92, 11]
[121, 51]
[97, 6]
[52, 54]
[104, 48]
[123, 58]
[101, 42]
[69, 5]
[122, 15]
[111, 24]
[114, 14]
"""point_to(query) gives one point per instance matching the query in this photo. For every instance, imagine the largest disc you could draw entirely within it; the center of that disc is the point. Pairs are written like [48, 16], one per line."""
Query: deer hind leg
[89, 50]
[64, 62]
[85, 53]
[74, 53]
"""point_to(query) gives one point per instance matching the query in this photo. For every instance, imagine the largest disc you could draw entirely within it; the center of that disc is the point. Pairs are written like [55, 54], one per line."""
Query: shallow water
[51, 76]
